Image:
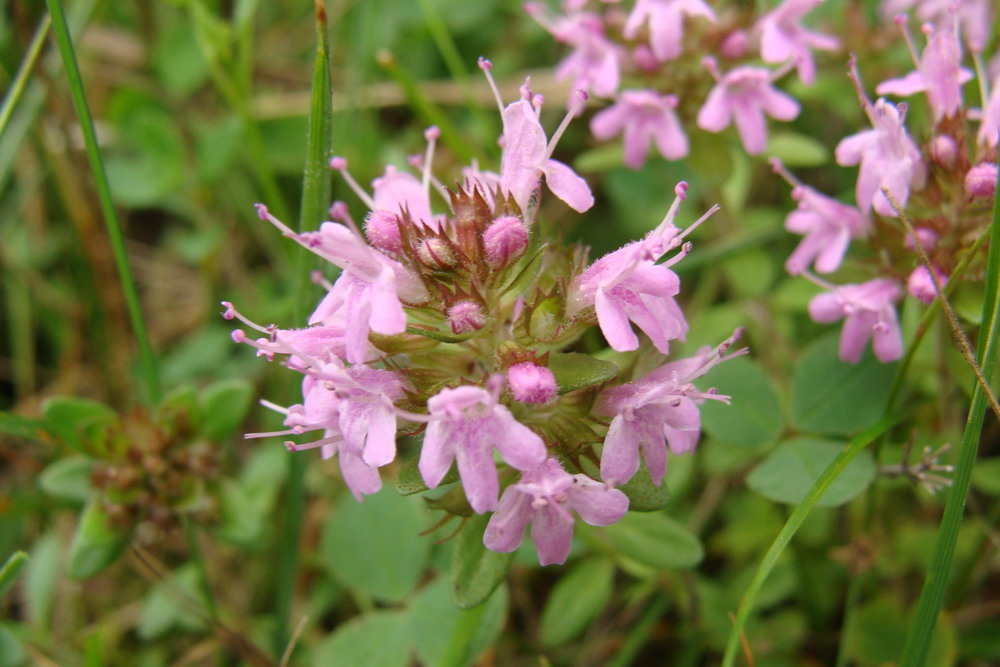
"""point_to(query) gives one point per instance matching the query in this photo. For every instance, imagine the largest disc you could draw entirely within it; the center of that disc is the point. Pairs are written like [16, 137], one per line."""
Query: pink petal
[552, 534]
[716, 114]
[596, 504]
[620, 456]
[436, 453]
[478, 473]
[505, 530]
[614, 323]
[568, 186]
[519, 445]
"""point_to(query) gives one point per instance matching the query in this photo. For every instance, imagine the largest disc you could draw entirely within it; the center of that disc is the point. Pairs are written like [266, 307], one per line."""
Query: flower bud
[466, 317]
[944, 151]
[735, 45]
[644, 59]
[504, 241]
[530, 383]
[981, 181]
[928, 239]
[436, 253]
[920, 286]
[382, 230]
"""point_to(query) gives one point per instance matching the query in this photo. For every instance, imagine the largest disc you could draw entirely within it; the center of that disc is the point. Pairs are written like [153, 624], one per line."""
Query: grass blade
[8, 573]
[791, 527]
[21, 78]
[316, 190]
[65, 43]
[931, 597]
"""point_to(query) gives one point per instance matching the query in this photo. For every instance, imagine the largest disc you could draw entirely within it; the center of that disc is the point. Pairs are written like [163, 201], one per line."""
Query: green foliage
[389, 562]
[656, 541]
[475, 570]
[788, 472]
[369, 639]
[754, 418]
[576, 600]
[575, 371]
[97, 543]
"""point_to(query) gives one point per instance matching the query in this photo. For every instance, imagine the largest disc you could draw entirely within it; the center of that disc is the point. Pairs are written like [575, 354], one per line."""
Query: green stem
[65, 44]
[21, 78]
[791, 527]
[932, 595]
[199, 562]
[316, 190]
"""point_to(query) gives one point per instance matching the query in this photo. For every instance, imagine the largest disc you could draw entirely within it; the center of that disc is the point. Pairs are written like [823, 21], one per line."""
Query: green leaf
[68, 478]
[656, 540]
[169, 605]
[788, 473]
[72, 419]
[643, 495]
[797, 150]
[41, 578]
[754, 417]
[242, 518]
[475, 570]
[438, 628]
[833, 397]
[11, 569]
[12, 653]
[224, 407]
[574, 370]
[372, 640]
[877, 631]
[409, 480]
[21, 427]
[375, 546]
[96, 544]
[577, 598]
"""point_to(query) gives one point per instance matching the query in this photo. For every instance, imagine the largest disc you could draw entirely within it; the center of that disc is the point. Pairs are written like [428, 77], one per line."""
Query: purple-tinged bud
[432, 133]
[981, 181]
[504, 241]
[484, 64]
[530, 383]
[436, 253]
[466, 317]
[735, 45]
[338, 163]
[944, 151]
[680, 190]
[644, 59]
[238, 335]
[920, 286]
[382, 230]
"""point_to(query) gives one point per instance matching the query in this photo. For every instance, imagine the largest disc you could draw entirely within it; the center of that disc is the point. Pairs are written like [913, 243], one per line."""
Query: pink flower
[658, 410]
[544, 497]
[827, 224]
[981, 180]
[466, 423]
[354, 408]
[527, 157]
[627, 285]
[504, 241]
[531, 383]
[784, 39]
[745, 96]
[644, 116]
[868, 312]
[939, 74]
[975, 16]
[666, 23]
[595, 62]
[888, 158]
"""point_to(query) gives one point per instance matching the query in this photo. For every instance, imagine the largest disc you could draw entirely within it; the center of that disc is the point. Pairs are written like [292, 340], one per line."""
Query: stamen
[709, 63]
[901, 21]
[579, 102]
[486, 66]
[816, 280]
[413, 416]
[778, 167]
[273, 406]
[269, 434]
[231, 313]
[295, 447]
[265, 215]
[855, 77]
[340, 164]
[340, 213]
[432, 134]
[694, 225]
[318, 278]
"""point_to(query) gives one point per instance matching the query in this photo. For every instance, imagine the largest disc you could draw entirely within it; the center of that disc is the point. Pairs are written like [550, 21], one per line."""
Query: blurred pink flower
[544, 498]
[989, 127]
[745, 96]
[644, 116]
[868, 312]
[920, 285]
[784, 39]
[888, 158]
[666, 23]
[939, 74]
[466, 423]
[531, 383]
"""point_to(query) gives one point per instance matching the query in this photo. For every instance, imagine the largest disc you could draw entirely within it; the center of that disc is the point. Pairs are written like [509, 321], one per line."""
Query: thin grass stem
[932, 595]
[17, 86]
[64, 41]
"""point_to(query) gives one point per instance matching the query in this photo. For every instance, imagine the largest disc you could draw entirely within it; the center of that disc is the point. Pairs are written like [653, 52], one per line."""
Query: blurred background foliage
[201, 109]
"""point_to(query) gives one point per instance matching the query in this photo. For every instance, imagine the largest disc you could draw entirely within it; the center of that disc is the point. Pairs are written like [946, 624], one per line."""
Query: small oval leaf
[656, 540]
[96, 544]
[576, 600]
[475, 570]
[574, 370]
[791, 470]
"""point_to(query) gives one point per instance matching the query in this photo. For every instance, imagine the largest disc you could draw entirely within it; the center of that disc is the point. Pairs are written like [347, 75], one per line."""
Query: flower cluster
[655, 60]
[944, 185]
[450, 328]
